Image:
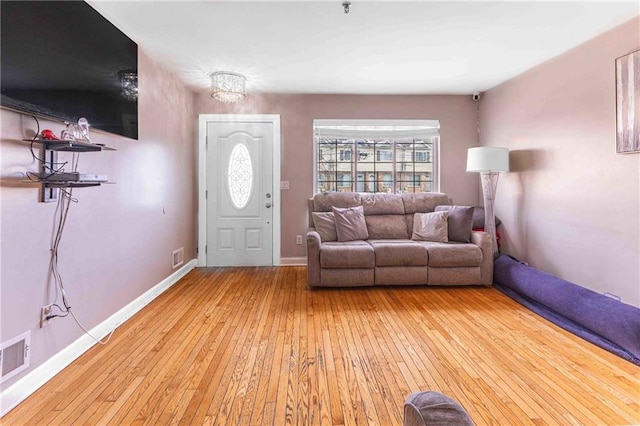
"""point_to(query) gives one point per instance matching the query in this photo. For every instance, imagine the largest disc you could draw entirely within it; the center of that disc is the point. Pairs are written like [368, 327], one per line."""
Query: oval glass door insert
[240, 176]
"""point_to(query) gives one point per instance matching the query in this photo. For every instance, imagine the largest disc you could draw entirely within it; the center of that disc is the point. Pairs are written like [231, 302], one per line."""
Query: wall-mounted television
[63, 60]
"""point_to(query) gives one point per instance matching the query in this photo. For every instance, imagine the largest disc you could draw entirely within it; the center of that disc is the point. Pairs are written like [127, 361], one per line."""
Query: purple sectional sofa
[381, 250]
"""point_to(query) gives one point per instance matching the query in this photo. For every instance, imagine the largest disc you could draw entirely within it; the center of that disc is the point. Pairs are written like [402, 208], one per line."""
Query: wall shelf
[69, 146]
[71, 184]
[49, 154]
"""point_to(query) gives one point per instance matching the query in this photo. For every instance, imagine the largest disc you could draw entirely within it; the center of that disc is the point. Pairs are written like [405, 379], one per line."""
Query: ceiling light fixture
[227, 87]
[346, 5]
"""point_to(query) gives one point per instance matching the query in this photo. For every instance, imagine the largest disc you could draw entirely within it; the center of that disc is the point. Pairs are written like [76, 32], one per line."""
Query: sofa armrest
[313, 258]
[434, 408]
[483, 240]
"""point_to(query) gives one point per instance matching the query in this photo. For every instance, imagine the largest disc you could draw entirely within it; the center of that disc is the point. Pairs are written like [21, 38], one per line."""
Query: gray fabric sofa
[431, 408]
[388, 256]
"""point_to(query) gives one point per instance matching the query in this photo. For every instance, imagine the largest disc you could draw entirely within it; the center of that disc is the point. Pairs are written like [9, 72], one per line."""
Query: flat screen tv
[63, 60]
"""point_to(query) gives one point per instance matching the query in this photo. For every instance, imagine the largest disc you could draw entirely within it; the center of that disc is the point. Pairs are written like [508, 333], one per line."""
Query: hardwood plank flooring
[255, 346]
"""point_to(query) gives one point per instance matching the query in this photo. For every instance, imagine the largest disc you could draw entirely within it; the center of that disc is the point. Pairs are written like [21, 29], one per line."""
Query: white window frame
[392, 129]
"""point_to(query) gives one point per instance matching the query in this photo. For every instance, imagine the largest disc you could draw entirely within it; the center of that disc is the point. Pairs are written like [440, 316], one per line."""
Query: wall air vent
[14, 355]
[178, 258]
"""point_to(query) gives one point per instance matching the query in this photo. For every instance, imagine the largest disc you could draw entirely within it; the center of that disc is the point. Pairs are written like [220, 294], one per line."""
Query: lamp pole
[489, 186]
[489, 162]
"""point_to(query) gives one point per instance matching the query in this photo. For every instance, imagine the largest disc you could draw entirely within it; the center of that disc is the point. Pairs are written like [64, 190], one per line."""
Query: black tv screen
[63, 60]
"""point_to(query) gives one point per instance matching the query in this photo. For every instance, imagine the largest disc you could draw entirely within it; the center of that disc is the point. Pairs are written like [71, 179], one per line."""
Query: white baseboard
[293, 261]
[20, 390]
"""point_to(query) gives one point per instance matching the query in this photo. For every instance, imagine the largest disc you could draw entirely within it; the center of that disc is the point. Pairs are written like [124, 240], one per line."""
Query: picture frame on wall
[628, 103]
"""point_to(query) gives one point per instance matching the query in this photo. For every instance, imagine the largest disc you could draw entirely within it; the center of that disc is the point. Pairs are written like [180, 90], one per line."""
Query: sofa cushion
[382, 204]
[350, 223]
[399, 253]
[461, 275]
[347, 277]
[460, 222]
[423, 202]
[430, 227]
[325, 224]
[323, 202]
[386, 226]
[401, 275]
[478, 218]
[351, 254]
[453, 254]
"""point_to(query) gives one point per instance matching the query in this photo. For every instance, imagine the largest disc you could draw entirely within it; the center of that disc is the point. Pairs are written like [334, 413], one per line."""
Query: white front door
[240, 198]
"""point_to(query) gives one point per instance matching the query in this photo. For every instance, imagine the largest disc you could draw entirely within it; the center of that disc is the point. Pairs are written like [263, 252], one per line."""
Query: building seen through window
[376, 157]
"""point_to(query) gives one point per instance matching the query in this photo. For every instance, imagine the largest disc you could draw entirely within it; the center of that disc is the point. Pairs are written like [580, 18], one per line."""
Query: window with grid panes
[375, 156]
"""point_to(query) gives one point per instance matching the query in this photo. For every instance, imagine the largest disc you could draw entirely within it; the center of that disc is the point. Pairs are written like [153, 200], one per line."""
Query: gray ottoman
[434, 409]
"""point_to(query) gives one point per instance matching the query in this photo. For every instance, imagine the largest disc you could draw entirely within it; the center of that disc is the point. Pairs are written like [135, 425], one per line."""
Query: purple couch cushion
[615, 321]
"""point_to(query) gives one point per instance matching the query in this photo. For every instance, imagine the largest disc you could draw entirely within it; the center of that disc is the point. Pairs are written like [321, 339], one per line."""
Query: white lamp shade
[488, 159]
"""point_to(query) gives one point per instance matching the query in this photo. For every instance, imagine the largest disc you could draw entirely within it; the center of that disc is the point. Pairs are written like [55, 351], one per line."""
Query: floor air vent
[14, 355]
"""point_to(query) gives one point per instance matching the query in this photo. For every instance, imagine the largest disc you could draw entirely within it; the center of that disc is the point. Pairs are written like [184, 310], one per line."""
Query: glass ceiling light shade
[227, 87]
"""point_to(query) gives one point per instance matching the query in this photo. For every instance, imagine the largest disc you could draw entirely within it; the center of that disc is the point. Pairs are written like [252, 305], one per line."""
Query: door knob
[268, 205]
[268, 195]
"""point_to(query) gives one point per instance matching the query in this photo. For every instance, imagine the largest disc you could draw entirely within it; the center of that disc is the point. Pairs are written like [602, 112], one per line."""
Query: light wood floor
[254, 346]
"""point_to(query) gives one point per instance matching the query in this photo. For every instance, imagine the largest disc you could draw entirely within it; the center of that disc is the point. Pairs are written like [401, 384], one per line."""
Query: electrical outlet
[46, 311]
[298, 239]
[613, 296]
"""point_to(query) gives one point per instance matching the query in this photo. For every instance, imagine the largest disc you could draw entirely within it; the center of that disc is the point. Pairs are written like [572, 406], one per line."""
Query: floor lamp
[489, 162]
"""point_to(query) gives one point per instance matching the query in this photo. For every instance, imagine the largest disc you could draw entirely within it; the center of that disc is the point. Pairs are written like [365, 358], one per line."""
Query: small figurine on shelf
[49, 135]
[83, 128]
[67, 134]
[77, 132]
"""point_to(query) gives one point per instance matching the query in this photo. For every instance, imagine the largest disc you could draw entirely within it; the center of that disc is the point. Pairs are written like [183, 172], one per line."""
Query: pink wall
[571, 205]
[457, 115]
[119, 238]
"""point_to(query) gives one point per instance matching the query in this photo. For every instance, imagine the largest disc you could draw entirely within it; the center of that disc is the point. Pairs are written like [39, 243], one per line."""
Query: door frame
[203, 119]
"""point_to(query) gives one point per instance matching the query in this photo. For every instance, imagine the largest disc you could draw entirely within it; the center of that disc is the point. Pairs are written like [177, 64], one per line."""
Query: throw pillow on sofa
[430, 227]
[325, 224]
[350, 223]
[460, 222]
[478, 218]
